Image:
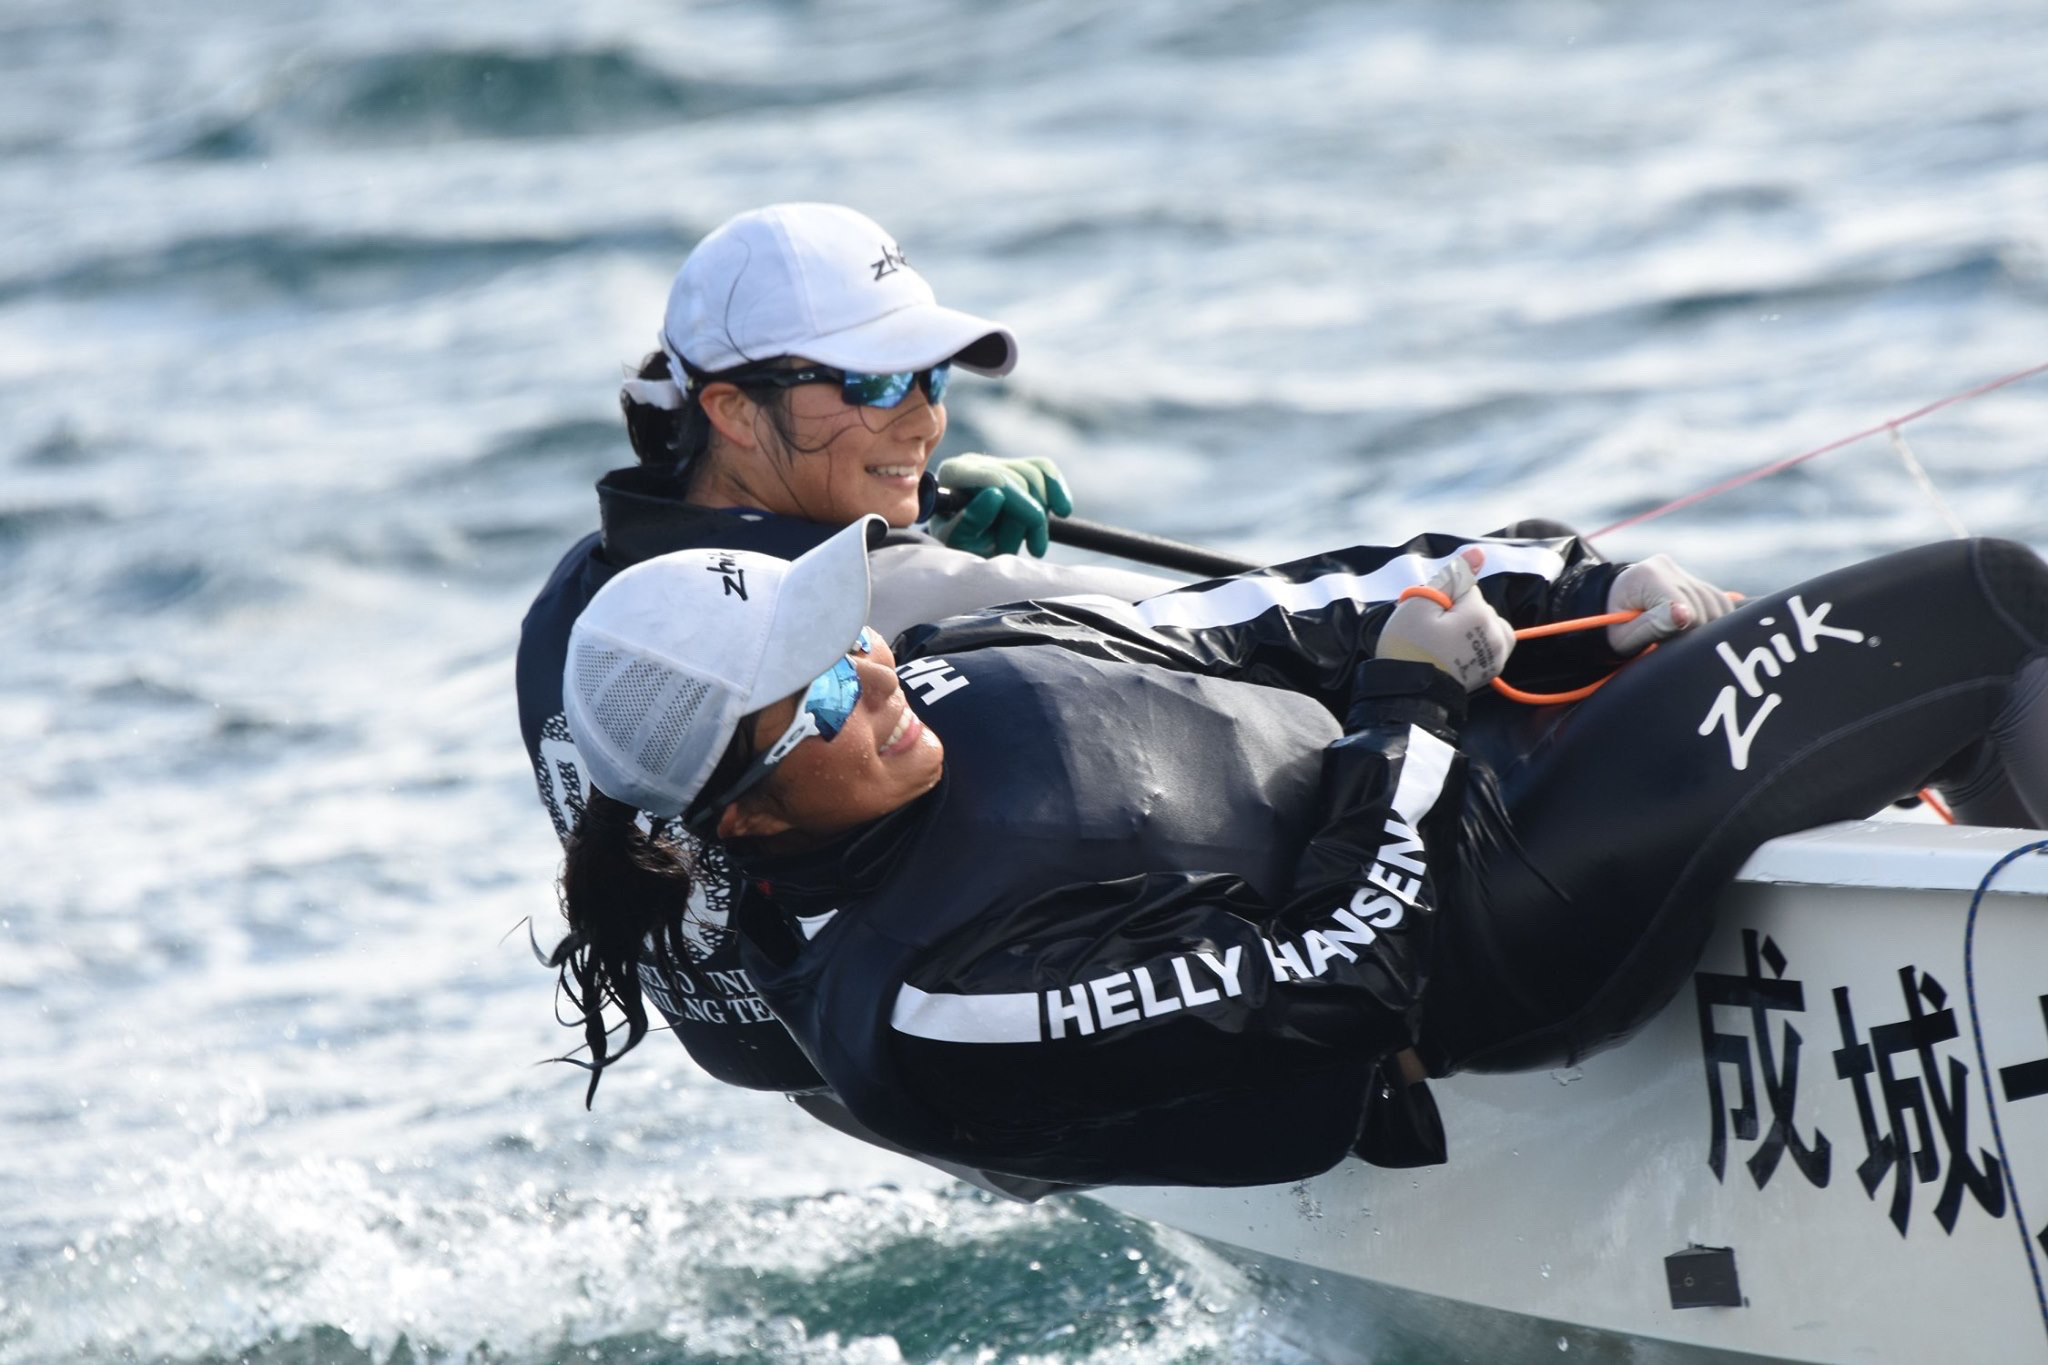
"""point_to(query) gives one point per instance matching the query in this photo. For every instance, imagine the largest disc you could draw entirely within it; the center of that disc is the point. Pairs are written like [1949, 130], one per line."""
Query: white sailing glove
[1469, 640]
[1669, 598]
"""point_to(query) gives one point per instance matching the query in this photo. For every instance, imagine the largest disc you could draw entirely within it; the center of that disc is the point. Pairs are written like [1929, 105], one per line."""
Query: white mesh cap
[672, 653]
[822, 282]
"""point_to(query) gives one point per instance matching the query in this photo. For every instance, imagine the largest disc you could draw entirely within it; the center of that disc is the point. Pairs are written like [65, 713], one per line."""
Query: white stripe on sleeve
[1242, 599]
[1010, 1017]
[1423, 772]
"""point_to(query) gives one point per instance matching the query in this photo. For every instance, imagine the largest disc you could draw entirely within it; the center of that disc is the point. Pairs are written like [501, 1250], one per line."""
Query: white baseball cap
[823, 282]
[672, 654]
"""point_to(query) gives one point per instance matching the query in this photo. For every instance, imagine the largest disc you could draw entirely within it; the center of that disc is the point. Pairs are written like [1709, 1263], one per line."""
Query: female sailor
[1186, 891]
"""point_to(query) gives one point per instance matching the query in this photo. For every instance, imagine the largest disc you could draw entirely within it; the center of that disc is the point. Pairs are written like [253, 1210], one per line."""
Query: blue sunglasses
[822, 711]
[857, 389]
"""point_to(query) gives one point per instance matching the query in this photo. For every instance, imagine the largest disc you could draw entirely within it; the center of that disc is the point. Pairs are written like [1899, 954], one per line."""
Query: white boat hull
[1567, 1190]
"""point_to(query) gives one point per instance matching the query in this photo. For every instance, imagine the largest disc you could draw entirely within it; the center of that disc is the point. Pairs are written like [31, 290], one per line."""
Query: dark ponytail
[624, 893]
[676, 440]
[666, 437]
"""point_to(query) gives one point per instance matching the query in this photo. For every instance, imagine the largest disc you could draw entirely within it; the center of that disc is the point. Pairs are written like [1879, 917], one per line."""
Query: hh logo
[1765, 662]
[932, 679]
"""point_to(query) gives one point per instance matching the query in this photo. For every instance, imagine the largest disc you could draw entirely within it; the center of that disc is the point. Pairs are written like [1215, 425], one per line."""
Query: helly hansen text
[1190, 980]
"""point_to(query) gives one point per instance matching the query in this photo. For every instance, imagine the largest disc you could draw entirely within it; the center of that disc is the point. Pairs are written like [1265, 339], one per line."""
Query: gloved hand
[1009, 510]
[1469, 640]
[1670, 599]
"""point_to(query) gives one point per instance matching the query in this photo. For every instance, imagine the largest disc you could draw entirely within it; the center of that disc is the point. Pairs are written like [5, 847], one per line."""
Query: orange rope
[1512, 693]
[1612, 618]
[1428, 594]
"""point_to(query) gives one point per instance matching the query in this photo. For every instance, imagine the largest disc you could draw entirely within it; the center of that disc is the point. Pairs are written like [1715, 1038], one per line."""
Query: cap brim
[819, 612]
[918, 337]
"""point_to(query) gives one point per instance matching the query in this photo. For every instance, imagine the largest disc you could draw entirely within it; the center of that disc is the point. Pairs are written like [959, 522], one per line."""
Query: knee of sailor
[2015, 578]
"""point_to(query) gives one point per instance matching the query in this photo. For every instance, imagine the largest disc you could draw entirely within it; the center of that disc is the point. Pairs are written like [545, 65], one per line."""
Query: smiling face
[882, 759]
[827, 460]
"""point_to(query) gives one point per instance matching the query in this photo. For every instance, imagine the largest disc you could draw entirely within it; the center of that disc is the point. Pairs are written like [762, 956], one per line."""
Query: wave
[149, 582]
[268, 1266]
[61, 447]
[1964, 274]
[550, 444]
[299, 265]
[20, 526]
[140, 689]
[489, 93]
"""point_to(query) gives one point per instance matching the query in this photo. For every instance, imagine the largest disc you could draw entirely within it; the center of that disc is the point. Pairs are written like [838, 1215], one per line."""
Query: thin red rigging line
[1778, 466]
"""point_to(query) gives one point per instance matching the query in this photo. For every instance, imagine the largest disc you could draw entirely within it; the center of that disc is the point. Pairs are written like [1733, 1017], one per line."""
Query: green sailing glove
[1009, 504]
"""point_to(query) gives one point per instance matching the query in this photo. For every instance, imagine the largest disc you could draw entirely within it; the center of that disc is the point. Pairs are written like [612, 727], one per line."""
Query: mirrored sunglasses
[857, 389]
[823, 710]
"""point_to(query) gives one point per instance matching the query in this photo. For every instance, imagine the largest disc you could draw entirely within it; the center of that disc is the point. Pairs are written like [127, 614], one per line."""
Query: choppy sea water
[311, 319]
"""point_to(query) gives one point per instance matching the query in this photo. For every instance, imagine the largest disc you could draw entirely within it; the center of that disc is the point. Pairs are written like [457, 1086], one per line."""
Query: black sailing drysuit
[1165, 918]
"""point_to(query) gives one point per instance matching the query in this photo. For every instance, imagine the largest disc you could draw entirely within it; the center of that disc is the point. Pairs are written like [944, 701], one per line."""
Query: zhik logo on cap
[892, 261]
[735, 576]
